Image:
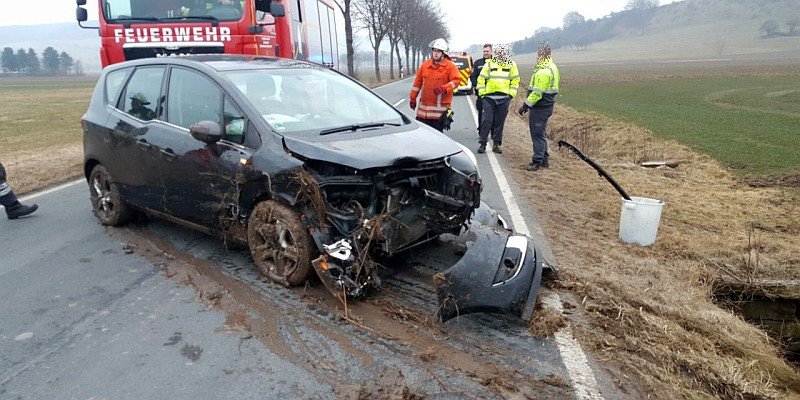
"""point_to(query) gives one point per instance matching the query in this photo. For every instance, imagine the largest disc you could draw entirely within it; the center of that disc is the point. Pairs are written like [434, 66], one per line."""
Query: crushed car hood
[374, 148]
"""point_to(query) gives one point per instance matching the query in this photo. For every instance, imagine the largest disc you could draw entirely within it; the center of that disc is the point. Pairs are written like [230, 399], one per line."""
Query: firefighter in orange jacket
[436, 78]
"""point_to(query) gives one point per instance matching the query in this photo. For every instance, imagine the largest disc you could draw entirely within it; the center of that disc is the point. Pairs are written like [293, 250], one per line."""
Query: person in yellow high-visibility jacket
[542, 93]
[497, 85]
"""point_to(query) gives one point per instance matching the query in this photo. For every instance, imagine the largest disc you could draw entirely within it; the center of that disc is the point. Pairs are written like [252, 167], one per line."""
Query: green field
[749, 123]
[42, 112]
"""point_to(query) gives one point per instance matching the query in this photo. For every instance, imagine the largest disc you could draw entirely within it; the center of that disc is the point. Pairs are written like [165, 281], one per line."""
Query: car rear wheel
[107, 204]
[279, 243]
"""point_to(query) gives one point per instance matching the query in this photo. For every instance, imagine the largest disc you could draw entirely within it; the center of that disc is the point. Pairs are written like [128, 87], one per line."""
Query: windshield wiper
[354, 127]
[203, 17]
[137, 19]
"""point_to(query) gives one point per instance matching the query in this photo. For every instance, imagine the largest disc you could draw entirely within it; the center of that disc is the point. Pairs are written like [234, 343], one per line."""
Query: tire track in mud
[392, 342]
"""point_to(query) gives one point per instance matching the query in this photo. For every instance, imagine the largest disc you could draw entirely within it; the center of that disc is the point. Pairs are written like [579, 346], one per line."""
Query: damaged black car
[307, 167]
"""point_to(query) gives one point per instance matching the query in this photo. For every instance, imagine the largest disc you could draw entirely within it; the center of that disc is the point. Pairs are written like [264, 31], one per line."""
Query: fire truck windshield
[172, 10]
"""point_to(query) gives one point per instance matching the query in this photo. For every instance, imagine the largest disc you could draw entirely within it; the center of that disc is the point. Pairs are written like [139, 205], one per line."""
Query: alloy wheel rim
[103, 193]
[277, 248]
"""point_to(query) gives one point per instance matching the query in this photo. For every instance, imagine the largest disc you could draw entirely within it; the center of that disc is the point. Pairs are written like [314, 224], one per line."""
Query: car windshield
[312, 100]
[172, 10]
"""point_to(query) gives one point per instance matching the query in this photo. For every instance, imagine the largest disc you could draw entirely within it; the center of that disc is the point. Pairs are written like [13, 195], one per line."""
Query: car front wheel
[107, 204]
[279, 243]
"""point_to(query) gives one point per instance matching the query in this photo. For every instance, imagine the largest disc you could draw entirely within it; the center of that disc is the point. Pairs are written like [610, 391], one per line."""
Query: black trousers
[7, 196]
[437, 124]
[493, 120]
[479, 107]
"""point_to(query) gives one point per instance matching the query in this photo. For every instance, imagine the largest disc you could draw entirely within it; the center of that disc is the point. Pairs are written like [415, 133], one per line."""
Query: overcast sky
[503, 21]
[470, 22]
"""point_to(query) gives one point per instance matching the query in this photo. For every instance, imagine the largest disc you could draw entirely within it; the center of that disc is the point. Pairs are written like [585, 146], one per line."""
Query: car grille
[136, 53]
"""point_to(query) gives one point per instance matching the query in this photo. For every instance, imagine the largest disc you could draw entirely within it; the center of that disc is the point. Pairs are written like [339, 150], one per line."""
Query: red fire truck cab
[131, 29]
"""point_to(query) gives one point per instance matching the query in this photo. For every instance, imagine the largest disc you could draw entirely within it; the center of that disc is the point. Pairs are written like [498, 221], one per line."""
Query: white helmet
[440, 44]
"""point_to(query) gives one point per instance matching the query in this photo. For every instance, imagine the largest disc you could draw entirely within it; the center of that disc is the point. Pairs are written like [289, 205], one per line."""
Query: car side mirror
[206, 131]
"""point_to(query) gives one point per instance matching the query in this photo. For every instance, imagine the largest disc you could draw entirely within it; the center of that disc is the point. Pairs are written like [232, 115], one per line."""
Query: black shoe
[496, 148]
[482, 149]
[534, 167]
[19, 210]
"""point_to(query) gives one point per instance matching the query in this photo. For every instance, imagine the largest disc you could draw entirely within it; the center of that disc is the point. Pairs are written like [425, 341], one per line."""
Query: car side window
[114, 82]
[192, 98]
[142, 93]
[235, 123]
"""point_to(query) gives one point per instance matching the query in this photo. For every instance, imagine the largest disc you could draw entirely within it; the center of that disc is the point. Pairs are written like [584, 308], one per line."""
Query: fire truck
[306, 30]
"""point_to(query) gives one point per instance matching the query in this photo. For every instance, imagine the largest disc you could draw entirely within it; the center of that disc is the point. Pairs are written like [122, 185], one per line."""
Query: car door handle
[143, 143]
[169, 152]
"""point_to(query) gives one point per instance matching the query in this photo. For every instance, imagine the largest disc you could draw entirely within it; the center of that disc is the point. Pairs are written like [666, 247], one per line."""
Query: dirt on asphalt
[364, 330]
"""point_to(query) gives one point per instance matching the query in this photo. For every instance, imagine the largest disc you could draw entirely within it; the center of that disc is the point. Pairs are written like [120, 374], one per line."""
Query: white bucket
[638, 221]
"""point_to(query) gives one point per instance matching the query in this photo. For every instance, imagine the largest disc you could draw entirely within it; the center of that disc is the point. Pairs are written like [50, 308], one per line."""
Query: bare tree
[769, 27]
[793, 26]
[372, 16]
[394, 23]
[78, 67]
[344, 6]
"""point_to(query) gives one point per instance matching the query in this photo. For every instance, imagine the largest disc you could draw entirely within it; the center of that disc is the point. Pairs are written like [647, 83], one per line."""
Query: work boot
[496, 148]
[482, 148]
[18, 209]
[534, 166]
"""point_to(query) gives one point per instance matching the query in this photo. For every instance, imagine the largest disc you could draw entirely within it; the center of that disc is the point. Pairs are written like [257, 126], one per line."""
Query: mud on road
[388, 346]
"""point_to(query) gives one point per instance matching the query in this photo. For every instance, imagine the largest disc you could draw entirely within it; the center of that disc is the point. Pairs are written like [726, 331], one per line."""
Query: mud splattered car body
[307, 167]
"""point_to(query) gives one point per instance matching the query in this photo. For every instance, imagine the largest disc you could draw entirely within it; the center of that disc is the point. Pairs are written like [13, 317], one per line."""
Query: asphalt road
[155, 310]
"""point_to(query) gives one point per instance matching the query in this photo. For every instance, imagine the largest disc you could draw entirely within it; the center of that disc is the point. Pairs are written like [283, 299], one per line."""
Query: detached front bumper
[500, 273]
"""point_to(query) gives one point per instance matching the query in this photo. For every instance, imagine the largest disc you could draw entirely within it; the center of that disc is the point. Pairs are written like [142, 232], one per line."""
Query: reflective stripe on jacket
[429, 77]
[498, 78]
[543, 87]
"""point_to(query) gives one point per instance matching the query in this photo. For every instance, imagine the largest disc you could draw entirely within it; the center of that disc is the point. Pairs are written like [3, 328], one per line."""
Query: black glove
[523, 109]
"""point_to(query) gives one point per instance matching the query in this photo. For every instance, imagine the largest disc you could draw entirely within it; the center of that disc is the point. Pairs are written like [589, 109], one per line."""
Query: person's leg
[546, 113]
[500, 114]
[433, 123]
[14, 209]
[537, 122]
[487, 120]
[479, 107]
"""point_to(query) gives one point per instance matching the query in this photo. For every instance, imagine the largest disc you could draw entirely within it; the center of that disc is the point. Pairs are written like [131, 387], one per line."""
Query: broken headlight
[464, 163]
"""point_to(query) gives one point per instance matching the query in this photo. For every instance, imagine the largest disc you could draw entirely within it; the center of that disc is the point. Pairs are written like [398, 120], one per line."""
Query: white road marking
[399, 102]
[392, 83]
[581, 375]
[51, 190]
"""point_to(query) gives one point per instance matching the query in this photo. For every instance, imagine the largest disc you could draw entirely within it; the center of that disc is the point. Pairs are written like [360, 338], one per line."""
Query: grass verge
[650, 310]
[40, 132]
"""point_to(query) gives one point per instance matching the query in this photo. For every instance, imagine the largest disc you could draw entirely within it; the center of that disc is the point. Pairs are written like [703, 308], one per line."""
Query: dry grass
[40, 132]
[546, 321]
[650, 310]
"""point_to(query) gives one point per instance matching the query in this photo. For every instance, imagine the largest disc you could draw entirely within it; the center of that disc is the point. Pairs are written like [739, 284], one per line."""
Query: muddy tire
[280, 245]
[107, 204]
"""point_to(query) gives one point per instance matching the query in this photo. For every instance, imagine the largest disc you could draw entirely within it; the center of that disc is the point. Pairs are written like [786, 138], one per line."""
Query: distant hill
[692, 29]
[81, 44]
